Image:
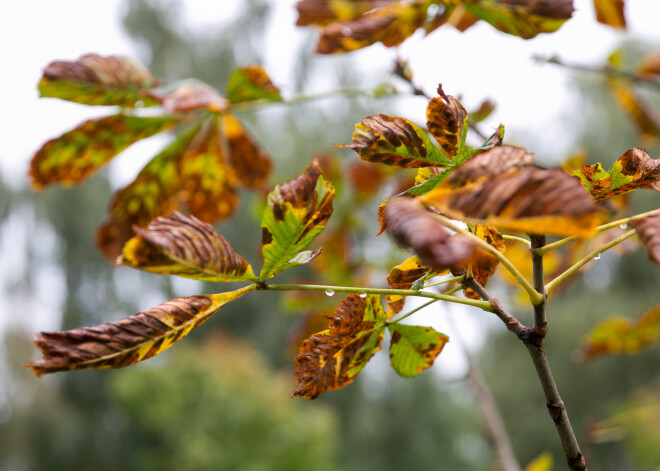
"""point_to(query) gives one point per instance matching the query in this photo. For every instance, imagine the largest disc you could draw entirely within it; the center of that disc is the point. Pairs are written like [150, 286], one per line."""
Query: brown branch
[556, 408]
[540, 322]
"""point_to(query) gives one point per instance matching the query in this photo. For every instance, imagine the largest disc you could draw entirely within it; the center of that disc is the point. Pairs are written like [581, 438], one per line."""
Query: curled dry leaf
[619, 335]
[394, 141]
[297, 212]
[251, 83]
[392, 24]
[333, 358]
[185, 246]
[532, 200]
[446, 120]
[403, 276]
[130, 340]
[648, 230]
[75, 155]
[497, 160]
[99, 80]
[611, 13]
[633, 170]
[413, 227]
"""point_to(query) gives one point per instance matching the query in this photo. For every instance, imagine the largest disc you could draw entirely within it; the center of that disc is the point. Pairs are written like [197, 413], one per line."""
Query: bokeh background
[221, 399]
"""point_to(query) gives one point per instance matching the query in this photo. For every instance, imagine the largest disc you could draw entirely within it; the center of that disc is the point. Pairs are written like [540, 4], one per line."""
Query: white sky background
[476, 64]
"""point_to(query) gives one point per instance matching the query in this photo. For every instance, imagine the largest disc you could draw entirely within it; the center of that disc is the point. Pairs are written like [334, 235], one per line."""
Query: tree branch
[540, 322]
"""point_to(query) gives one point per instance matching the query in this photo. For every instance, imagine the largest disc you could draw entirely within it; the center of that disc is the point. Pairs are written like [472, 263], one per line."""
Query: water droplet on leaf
[330, 292]
[597, 257]
[623, 226]
[363, 295]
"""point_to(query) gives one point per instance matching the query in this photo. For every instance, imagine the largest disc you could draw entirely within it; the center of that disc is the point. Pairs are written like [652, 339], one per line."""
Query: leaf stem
[516, 239]
[458, 278]
[384, 291]
[413, 311]
[586, 259]
[610, 225]
[534, 296]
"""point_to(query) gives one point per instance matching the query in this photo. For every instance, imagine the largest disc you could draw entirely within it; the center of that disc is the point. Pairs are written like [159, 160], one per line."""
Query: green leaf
[524, 18]
[185, 246]
[73, 156]
[414, 348]
[297, 212]
[251, 83]
[396, 142]
[128, 341]
[99, 80]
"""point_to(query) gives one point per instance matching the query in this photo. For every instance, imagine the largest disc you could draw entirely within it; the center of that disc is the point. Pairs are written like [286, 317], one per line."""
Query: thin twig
[540, 322]
[516, 239]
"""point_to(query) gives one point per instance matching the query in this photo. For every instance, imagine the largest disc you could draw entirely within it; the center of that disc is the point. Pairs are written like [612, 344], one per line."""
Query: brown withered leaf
[487, 164]
[621, 335]
[403, 276]
[333, 358]
[446, 120]
[483, 263]
[532, 200]
[130, 340]
[324, 12]
[633, 170]
[185, 246]
[99, 80]
[648, 230]
[611, 13]
[191, 96]
[75, 155]
[391, 25]
[460, 18]
[251, 163]
[411, 226]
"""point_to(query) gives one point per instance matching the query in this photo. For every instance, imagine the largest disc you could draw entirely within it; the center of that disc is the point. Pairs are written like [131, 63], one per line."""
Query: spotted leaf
[324, 12]
[128, 341]
[483, 263]
[447, 122]
[75, 155]
[396, 142]
[403, 276]
[99, 80]
[251, 83]
[297, 212]
[185, 246]
[250, 162]
[634, 169]
[333, 358]
[413, 348]
[532, 200]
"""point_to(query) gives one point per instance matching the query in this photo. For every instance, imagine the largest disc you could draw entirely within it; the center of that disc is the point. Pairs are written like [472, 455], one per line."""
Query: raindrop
[597, 257]
[623, 226]
[330, 292]
[363, 295]
[139, 104]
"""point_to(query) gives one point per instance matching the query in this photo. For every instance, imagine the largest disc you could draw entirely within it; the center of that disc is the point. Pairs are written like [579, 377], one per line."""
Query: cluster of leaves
[350, 25]
[210, 155]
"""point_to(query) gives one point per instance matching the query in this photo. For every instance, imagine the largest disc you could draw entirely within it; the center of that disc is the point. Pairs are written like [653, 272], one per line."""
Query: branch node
[555, 409]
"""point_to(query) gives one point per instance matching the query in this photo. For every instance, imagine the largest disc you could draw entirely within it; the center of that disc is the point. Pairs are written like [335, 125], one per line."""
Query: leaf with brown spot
[333, 358]
[185, 246]
[633, 170]
[128, 341]
[403, 276]
[413, 349]
[610, 12]
[447, 122]
[395, 141]
[411, 226]
[190, 95]
[487, 164]
[75, 155]
[99, 80]
[619, 335]
[324, 12]
[251, 83]
[251, 163]
[532, 200]
[523, 18]
[297, 212]
[484, 264]
[392, 24]
[648, 231]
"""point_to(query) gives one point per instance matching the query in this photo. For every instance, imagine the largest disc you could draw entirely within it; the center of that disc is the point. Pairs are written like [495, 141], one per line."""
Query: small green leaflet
[414, 348]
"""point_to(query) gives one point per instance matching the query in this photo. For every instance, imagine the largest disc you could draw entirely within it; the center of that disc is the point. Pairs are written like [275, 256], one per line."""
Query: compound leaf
[297, 212]
[185, 246]
[395, 141]
[251, 83]
[333, 358]
[530, 199]
[99, 80]
[130, 340]
[619, 335]
[634, 169]
[414, 348]
[73, 156]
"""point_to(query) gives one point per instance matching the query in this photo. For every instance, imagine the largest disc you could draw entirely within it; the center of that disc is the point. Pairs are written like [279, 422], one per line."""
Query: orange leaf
[483, 263]
[403, 276]
[610, 12]
[446, 119]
